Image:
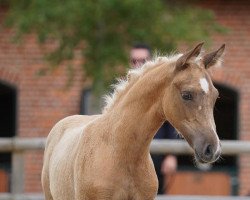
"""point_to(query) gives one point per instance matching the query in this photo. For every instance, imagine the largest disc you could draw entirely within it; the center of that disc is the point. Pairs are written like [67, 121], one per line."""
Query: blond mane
[132, 76]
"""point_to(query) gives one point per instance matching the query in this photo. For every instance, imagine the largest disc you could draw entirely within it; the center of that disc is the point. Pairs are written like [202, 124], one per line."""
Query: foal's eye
[187, 96]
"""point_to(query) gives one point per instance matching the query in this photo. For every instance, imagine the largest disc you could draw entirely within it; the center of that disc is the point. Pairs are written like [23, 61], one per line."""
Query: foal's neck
[138, 115]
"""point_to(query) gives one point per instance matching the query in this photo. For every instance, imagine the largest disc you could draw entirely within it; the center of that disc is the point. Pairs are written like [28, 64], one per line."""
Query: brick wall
[42, 101]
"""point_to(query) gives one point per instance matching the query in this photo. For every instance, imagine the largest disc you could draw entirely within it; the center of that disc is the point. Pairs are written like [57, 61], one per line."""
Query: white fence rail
[229, 147]
[19, 145]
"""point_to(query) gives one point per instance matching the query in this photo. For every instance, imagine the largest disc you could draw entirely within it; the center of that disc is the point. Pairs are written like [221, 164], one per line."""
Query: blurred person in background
[165, 165]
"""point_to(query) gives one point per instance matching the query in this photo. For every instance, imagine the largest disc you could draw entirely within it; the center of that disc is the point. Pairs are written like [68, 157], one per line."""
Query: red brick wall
[236, 71]
[42, 101]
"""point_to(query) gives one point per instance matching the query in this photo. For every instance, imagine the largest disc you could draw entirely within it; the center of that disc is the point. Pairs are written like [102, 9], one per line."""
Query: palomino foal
[107, 156]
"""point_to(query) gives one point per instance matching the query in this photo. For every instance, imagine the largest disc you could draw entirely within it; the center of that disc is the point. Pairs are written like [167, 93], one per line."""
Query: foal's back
[60, 150]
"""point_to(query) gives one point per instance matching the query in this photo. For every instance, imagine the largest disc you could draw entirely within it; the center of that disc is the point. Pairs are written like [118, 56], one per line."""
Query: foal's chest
[133, 192]
[123, 188]
[132, 188]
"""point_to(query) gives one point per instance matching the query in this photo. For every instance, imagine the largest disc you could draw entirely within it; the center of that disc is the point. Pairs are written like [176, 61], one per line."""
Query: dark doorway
[8, 111]
[7, 122]
[226, 112]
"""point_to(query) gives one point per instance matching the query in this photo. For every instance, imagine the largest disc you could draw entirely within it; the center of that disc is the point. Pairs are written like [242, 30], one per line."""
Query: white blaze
[204, 85]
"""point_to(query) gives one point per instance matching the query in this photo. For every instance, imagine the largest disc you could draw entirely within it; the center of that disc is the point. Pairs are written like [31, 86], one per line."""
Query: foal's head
[189, 101]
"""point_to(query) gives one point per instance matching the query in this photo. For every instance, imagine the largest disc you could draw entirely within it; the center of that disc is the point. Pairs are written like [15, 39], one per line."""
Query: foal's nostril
[208, 151]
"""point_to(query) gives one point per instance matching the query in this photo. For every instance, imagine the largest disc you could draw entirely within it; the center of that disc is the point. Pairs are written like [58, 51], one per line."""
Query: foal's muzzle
[207, 153]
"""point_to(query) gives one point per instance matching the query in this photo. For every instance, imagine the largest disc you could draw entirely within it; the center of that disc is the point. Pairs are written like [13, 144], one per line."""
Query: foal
[107, 156]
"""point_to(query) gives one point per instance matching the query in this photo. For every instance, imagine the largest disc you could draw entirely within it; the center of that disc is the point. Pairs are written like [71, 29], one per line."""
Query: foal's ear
[213, 57]
[181, 62]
